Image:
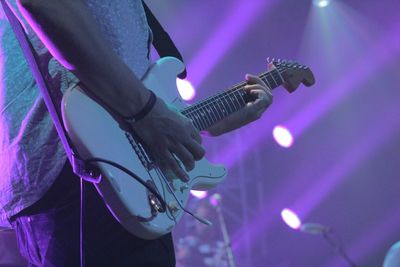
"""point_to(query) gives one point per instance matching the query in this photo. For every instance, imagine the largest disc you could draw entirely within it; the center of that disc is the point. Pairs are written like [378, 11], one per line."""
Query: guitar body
[96, 134]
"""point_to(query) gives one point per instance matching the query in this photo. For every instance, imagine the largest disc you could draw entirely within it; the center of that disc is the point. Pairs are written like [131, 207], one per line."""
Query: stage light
[321, 3]
[186, 89]
[291, 219]
[282, 136]
[215, 200]
[199, 194]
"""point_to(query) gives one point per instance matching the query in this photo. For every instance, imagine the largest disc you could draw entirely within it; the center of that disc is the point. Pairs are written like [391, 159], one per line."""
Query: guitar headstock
[294, 74]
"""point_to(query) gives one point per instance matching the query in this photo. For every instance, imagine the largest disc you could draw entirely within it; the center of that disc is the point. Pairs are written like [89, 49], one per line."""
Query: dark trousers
[48, 232]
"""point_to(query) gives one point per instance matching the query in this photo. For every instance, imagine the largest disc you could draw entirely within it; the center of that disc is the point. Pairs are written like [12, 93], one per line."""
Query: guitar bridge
[140, 151]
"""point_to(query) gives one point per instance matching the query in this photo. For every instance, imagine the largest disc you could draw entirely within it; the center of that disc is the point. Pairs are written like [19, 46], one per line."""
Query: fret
[194, 121]
[279, 72]
[211, 111]
[218, 109]
[234, 101]
[229, 103]
[277, 76]
[227, 107]
[272, 77]
[243, 96]
[237, 99]
[274, 83]
[200, 119]
[222, 107]
[205, 118]
[208, 116]
[268, 81]
[207, 112]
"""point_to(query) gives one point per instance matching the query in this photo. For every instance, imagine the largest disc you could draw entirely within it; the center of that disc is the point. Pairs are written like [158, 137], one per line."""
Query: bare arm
[70, 33]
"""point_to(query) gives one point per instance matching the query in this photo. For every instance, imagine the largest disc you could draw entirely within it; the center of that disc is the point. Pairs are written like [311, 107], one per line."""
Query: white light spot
[291, 219]
[282, 136]
[186, 89]
[321, 3]
[199, 194]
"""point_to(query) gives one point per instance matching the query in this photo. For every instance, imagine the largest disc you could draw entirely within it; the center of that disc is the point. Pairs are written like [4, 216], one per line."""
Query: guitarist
[105, 45]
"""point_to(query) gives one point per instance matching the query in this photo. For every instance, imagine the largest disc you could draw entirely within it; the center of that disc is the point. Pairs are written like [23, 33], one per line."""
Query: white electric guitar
[96, 133]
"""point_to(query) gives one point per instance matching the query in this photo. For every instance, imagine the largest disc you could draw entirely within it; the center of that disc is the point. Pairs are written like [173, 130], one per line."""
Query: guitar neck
[213, 109]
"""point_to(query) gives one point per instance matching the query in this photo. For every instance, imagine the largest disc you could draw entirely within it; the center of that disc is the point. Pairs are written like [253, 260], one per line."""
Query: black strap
[161, 40]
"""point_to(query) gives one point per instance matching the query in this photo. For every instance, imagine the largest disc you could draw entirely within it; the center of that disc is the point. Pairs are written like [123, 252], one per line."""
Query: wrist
[148, 106]
[144, 111]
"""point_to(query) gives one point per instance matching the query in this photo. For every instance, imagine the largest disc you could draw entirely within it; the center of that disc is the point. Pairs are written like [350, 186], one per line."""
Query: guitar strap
[161, 41]
[32, 60]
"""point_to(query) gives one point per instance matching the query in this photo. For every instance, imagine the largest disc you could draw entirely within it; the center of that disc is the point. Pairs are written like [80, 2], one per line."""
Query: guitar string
[217, 99]
[239, 85]
[162, 177]
[235, 89]
[205, 105]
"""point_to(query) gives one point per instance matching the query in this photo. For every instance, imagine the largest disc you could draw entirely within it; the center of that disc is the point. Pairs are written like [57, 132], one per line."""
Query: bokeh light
[321, 3]
[282, 136]
[291, 219]
[199, 194]
[186, 89]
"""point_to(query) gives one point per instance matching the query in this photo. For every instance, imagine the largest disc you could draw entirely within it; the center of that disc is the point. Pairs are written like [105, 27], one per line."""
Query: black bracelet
[144, 111]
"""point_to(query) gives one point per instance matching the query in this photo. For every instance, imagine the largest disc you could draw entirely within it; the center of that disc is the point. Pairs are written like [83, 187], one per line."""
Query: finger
[194, 132]
[184, 156]
[196, 149]
[255, 110]
[261, 98]
[196, 136]
[252, 79]
[261, 94]
[168, 163]
[271, 66]
[250, 87]
[256, 87]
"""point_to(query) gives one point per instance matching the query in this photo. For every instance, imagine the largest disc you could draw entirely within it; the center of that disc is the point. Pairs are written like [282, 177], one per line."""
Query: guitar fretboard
[211, 110]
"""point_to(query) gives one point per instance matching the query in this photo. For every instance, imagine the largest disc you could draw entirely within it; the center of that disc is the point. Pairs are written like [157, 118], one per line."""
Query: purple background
[343, 169]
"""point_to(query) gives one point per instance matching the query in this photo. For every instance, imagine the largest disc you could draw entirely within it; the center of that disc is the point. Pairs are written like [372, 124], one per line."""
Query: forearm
[72, 36]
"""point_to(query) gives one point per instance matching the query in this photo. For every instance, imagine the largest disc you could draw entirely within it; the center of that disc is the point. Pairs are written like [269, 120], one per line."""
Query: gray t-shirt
[31, 154]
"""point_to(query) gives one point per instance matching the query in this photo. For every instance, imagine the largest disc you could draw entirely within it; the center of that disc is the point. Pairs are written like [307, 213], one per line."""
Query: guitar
[96, 133]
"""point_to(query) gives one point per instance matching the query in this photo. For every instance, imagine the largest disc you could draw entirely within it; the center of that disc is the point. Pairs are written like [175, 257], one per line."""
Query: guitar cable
[151, 189]
[130, 173]
[197, 217]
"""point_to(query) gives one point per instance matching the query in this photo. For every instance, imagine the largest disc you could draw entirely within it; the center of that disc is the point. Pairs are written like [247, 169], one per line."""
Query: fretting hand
[251, 112]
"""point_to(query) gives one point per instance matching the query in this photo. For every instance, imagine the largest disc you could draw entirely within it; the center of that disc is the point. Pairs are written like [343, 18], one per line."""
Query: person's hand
[262, 95]
[167, 133]
[250, 112]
